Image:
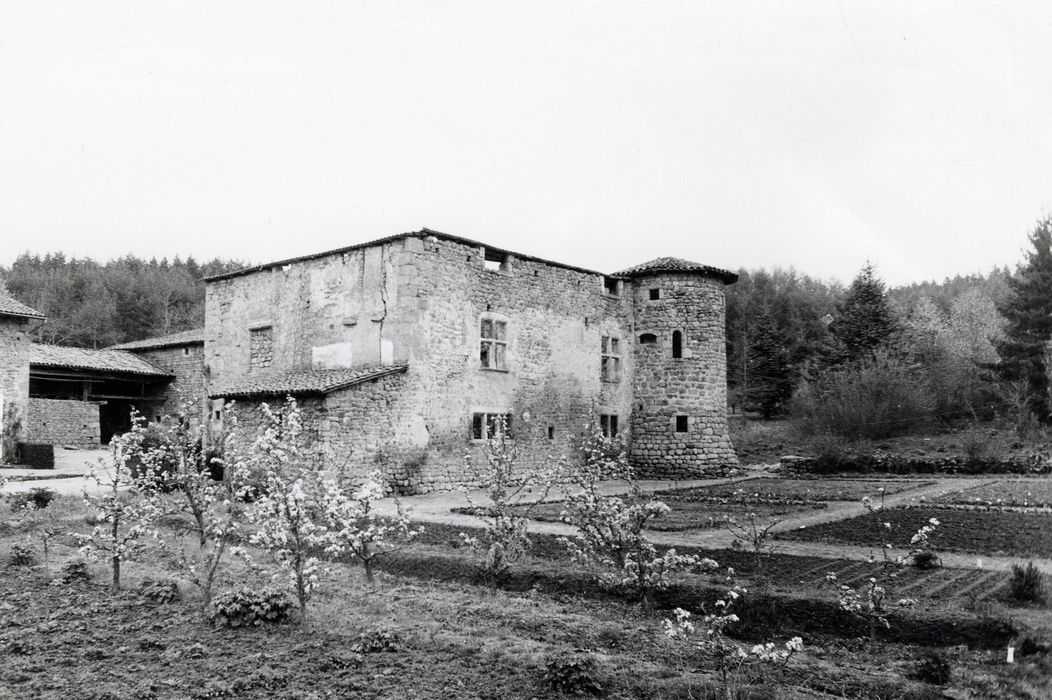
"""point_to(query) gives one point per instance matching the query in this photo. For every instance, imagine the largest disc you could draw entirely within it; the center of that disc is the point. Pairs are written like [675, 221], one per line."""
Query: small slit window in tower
[647, 339]
[655, 294]
[682, 424]
[612, 286]
[677, 344]
[495, 260]
[551, 432]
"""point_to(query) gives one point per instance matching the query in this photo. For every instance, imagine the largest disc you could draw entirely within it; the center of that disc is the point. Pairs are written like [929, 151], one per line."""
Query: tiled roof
[677, 265]
[301, 383]
[11, 307]
[192, 337]
[108, 361]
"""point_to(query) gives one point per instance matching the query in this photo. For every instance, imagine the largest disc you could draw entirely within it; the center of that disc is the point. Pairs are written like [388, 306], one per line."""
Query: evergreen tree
[771, 382]
[1022, 352]
[863, 321]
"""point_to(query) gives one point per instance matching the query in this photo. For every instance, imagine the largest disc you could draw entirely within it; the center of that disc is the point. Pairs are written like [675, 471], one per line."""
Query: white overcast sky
[815, 135]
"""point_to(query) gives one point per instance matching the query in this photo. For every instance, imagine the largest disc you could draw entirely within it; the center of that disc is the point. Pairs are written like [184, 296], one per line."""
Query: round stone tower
[679, 404]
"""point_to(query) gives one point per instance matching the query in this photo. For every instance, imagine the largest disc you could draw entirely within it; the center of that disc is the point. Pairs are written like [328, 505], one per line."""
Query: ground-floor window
[485, 426]
[608, 424]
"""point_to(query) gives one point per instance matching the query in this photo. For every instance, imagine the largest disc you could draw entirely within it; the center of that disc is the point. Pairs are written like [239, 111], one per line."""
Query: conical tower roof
[667, 264]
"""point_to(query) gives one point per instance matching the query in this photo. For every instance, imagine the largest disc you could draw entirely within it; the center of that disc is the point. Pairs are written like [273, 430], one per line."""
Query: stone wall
[62, 422]
[14, 384]
[187, 364]
[693, 386]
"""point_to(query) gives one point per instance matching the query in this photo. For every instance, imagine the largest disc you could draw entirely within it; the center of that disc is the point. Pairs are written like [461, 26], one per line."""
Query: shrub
[247, 607]
[830, 454]
[76, 570]
[1026, 584]
[934, 669]
[926, 559]
[876, 397]
[377, 640]
[158, 591]
[572, 675]
[1030, 646]
[21, 555]
[38, 498]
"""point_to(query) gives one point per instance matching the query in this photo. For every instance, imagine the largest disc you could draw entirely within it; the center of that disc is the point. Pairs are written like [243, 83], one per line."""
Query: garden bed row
[886, 463]
[762, 615]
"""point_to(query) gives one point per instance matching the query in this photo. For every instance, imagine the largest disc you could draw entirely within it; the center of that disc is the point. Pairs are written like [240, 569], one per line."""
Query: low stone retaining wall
[62, 422]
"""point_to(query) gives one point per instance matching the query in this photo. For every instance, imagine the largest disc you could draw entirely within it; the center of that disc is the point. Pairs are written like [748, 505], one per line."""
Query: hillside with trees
[94, 305]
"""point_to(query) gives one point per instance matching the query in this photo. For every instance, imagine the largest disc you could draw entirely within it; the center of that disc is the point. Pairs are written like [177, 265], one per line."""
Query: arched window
[677, 344]
[647, 339]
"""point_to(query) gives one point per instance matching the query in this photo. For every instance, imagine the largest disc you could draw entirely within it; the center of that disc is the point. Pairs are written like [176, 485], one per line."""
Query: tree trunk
[115, 585]
[369, 571]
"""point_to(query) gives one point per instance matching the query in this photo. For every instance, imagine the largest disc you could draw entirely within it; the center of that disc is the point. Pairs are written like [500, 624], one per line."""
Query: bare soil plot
[692, 514]
[1031, 493]
[980, 532]
[755, 490]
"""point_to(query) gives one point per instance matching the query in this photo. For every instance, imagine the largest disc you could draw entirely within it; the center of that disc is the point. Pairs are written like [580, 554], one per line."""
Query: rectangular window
[493, 347]
[608, 424]
[495, 260]
[611, 359]
[260, 348]
[486, 426]
[655, 294]
[551, 432]
[682, 424]
[612, 285]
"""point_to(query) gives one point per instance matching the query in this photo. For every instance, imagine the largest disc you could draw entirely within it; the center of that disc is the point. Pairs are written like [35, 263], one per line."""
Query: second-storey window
[611, 359]
[493, 348]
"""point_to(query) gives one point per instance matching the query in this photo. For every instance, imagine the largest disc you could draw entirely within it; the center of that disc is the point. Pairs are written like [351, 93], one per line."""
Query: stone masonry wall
[694, 385]
[14, 384]
[187, 363]
[62, 422]
[555, 320]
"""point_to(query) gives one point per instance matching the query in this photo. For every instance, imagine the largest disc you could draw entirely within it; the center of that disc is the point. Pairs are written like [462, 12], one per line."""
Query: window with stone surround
[677, 344]
[611, 359]
[260, 348]
[608, 424]
[493, 344]
[647, 339]
[485, 426]
[682, 424]
[655, 294]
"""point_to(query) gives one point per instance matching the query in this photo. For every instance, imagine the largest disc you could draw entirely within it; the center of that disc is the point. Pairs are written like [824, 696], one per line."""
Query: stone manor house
[407, 352]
